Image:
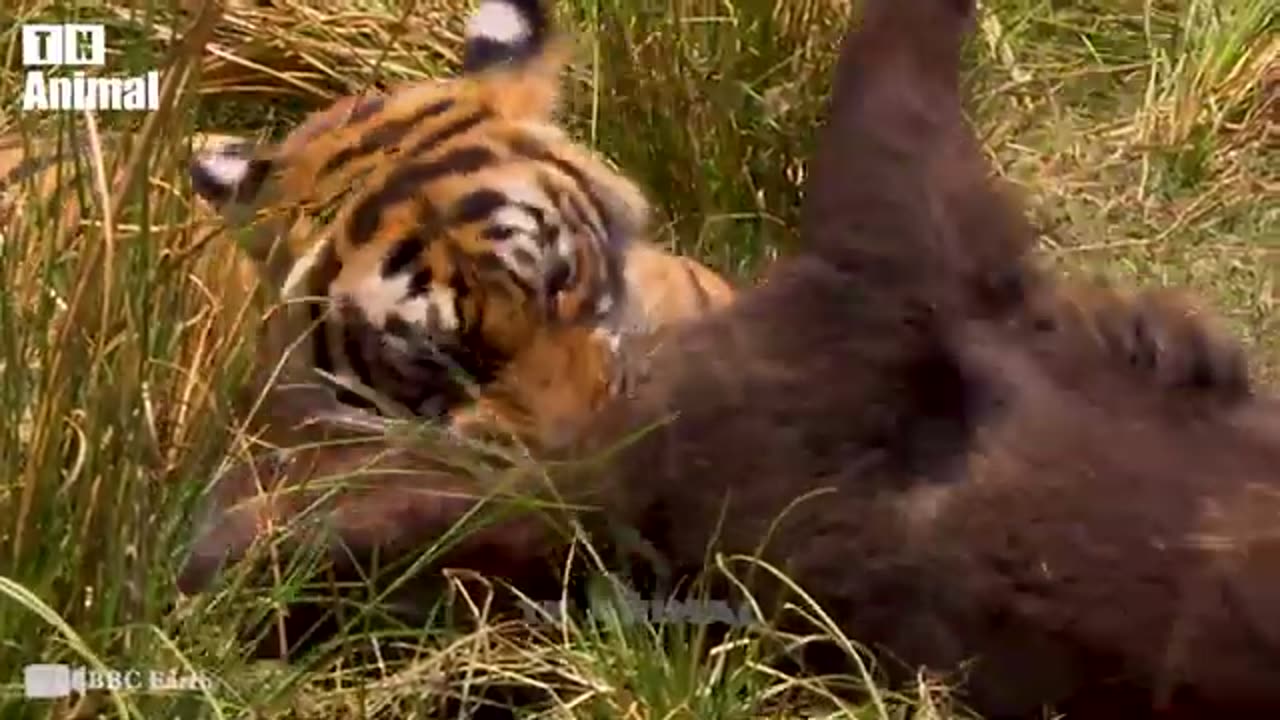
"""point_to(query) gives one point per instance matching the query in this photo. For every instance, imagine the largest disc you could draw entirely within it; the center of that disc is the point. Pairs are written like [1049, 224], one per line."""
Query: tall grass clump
[1143, 133]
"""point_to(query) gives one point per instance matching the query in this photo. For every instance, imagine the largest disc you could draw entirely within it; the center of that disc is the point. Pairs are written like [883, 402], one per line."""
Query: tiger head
[439, 226]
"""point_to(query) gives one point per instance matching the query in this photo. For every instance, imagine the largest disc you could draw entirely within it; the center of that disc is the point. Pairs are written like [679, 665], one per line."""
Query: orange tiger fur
[557, 384]
[440, 230]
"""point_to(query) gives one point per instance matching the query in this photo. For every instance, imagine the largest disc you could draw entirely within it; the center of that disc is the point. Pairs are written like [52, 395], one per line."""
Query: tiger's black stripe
[405, 252]
[407, 183]
[327, 267]
[532, 149]
[367, 108]
[478, 205]
[448, 132]
[386, 135]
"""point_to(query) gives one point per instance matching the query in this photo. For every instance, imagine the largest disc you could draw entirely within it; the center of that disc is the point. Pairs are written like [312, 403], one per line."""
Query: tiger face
[434, 230]
[549, 392]
[554, 388]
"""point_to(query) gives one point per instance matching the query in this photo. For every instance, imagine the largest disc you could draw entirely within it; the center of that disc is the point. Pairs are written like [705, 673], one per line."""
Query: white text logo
[54, 680]
[79, 46]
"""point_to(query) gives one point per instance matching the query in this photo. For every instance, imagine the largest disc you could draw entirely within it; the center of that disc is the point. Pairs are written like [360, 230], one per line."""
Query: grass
[1142, 132]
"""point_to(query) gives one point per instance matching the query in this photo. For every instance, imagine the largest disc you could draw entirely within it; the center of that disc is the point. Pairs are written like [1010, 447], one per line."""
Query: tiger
[34, 168]
[37, 173]
[552, 389]
[423, 238]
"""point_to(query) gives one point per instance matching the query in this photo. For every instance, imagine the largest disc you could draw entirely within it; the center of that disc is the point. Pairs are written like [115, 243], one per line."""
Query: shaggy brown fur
[1074, 489]
[1003, 486]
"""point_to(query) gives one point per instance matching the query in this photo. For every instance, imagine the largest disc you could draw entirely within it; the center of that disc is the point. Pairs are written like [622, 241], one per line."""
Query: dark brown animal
[1072, 490]
[1076, 492]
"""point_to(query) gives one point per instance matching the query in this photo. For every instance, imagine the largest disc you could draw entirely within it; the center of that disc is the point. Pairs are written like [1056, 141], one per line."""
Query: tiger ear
[515, 52]
[229, 174]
